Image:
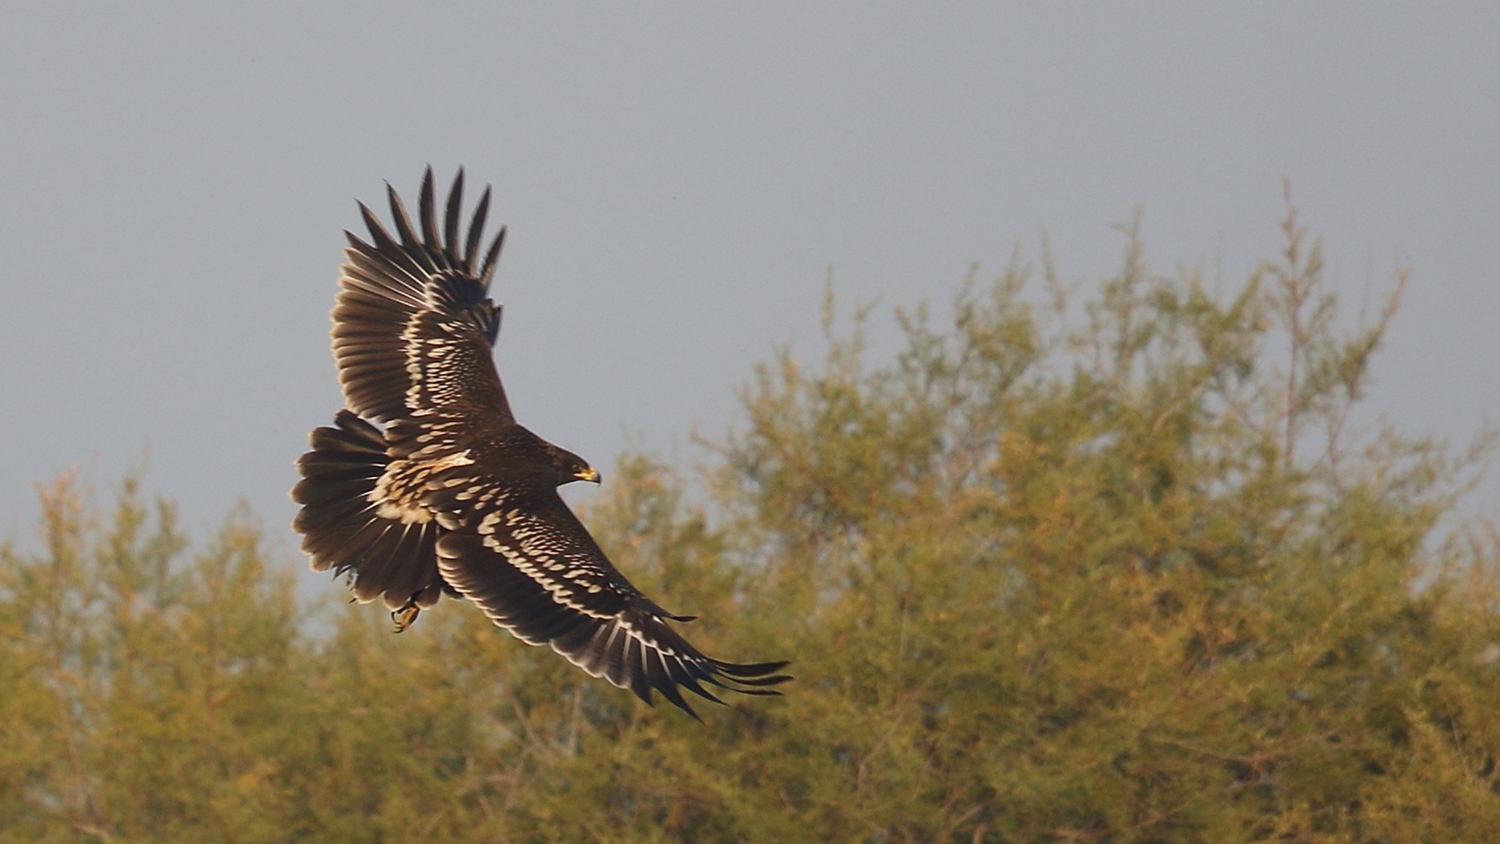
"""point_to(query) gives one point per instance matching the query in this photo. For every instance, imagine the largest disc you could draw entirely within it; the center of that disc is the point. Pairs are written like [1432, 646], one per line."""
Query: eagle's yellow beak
[588, 473]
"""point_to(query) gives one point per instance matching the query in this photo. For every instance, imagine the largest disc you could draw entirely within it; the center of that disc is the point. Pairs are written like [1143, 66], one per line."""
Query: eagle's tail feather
[341, 523]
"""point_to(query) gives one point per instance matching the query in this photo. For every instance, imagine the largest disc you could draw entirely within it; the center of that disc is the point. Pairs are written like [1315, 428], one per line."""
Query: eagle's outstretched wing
[413, 324]
[413, 335]
[533, 568]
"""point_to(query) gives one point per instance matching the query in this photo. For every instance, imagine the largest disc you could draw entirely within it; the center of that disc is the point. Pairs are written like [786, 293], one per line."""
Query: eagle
[427, 485]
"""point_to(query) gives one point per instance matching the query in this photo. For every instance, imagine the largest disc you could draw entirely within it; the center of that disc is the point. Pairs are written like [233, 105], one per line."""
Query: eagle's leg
[405, 616]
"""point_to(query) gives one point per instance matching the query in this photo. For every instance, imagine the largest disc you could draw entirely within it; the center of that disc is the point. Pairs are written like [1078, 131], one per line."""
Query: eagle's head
[571, 467]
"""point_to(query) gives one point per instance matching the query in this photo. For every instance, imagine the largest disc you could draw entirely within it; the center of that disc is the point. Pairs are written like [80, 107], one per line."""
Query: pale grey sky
[677, 179]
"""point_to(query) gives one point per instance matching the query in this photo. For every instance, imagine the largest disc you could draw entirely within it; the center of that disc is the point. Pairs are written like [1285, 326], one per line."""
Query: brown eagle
[427, 484]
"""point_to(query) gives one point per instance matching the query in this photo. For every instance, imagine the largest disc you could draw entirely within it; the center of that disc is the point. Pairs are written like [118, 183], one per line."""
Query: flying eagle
[427, 484]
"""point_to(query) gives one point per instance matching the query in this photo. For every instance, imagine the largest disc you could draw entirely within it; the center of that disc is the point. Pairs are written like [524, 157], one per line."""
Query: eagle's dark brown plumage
[428, 485]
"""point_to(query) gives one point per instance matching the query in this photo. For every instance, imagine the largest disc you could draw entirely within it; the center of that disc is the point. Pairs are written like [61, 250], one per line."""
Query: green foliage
[136, 679]
[1114, 570]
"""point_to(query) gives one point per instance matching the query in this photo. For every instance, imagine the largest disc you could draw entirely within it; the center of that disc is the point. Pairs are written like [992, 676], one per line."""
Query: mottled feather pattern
[397, 293]
[451, 494]
[540, 536]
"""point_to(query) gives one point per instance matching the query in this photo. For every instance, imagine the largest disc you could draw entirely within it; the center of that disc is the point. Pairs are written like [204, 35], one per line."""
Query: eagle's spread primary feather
[451, 494]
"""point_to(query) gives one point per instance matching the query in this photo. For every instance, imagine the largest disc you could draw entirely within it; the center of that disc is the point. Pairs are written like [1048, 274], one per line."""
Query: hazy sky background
[678, 179]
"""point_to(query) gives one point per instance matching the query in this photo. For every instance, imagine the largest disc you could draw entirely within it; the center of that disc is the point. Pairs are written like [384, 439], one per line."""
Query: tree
[1129, 582]
[138, 678]
[1118, 569]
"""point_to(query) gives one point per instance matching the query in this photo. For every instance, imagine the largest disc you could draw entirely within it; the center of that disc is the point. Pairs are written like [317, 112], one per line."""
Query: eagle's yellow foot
[406, 615]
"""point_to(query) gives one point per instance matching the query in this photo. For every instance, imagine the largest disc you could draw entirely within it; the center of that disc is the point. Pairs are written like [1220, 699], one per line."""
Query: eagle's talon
[404, 617]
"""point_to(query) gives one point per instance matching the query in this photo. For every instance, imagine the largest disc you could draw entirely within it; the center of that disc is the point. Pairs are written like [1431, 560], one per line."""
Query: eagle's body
[452, 494]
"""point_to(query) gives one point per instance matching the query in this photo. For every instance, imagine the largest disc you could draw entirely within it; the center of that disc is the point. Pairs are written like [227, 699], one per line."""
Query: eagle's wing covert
[527, 561]
[413, 324]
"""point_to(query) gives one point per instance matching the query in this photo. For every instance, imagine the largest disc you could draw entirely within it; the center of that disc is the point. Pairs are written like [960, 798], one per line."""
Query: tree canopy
[1119, 562]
